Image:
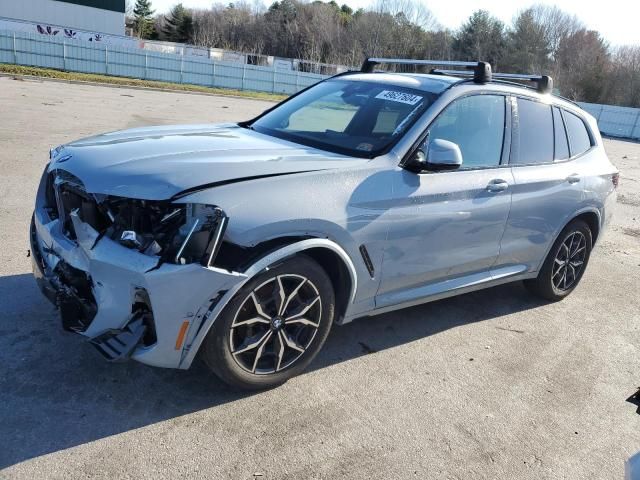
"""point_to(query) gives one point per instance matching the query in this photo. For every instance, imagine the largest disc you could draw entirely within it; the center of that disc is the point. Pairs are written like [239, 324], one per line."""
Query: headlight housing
[177, 233]
[201, 235]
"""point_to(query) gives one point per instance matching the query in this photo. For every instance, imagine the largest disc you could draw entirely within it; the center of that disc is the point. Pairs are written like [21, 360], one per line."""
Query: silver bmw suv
[365, 193]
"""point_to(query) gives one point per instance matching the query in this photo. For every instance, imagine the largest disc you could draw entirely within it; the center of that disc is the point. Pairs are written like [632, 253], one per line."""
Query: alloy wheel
[275, 324]
[569, 261]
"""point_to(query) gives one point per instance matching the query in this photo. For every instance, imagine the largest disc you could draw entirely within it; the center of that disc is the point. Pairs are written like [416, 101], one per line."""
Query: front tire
[565, 264]
[273, 327]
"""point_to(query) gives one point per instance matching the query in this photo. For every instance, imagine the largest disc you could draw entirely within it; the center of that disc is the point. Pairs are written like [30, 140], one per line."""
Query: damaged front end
[174, 233]
[131, 275]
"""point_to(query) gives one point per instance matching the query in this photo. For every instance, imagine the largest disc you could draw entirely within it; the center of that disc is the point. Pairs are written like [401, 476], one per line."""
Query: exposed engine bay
[176, 233]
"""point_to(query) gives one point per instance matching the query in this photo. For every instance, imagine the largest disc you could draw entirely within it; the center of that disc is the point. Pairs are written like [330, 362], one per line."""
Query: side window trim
[566, 134]
[508, 127]
[515, 130]
[571, 156]
[506, 142]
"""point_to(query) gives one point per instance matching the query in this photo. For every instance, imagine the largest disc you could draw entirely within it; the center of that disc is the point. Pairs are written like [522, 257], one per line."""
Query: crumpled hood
[156, 163]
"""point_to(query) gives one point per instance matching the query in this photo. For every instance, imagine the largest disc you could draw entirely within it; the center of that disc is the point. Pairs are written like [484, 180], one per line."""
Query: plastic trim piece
[367, 260]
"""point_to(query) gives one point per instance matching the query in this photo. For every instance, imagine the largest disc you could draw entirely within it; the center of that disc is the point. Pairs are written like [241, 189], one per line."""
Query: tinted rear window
[579, 139]
[535, 142]
[562, 146]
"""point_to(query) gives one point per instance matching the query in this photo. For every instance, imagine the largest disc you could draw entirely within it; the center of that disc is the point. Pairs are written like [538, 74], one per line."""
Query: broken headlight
[201, 235]
[177, 233]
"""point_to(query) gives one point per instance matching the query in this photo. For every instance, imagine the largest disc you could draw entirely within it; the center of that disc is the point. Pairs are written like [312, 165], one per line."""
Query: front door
[446, 227]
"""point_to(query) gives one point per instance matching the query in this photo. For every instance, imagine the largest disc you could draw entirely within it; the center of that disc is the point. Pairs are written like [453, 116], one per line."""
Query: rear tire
[273, 327]
[565, 264]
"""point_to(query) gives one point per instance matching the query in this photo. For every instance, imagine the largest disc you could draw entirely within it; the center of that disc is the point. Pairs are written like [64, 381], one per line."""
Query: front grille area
[65, 193]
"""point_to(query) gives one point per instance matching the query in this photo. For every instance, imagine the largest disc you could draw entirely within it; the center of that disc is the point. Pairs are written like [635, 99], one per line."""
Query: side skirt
[448, 288]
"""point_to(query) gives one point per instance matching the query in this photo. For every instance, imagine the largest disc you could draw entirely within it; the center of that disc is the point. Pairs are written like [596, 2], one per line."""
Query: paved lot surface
[489, 385]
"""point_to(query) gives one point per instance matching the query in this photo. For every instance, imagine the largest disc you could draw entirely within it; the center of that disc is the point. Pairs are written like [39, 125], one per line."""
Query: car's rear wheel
[565, 264]
[273, 327]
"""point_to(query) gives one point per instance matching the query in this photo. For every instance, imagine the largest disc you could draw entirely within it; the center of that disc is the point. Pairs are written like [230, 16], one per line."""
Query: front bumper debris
[118, 345]
[67, 288]
[96, 283]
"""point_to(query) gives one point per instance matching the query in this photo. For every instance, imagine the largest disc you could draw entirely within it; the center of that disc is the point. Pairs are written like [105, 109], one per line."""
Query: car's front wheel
[565, 264]
[273, 327]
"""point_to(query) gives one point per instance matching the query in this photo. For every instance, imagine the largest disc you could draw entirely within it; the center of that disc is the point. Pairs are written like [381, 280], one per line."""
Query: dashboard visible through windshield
[361, 119]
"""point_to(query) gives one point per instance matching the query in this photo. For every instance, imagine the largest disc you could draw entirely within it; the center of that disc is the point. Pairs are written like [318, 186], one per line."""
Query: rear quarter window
[579, 139]
[535, 133]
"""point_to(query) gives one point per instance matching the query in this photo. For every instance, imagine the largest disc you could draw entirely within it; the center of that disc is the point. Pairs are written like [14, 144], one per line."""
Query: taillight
[615, 179]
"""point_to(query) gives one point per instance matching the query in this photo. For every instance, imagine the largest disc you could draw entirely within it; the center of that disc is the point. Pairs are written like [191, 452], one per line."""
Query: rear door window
[560, 134]
[579, 139]
[535, 135]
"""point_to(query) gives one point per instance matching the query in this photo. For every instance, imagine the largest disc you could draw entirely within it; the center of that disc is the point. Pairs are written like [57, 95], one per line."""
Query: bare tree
[623, 85]
[556, 25]
[583, 62]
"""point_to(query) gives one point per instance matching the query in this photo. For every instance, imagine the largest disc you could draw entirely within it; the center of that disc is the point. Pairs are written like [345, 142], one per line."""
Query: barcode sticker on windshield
[400, 97]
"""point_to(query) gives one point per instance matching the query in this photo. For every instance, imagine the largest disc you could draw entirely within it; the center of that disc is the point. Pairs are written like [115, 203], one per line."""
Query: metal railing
[621, 122]
[28, 49]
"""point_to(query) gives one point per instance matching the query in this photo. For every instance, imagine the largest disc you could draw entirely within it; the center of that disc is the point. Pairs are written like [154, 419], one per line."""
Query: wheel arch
[341, 279]
[590, 216]
[592, 219]
[337, 264]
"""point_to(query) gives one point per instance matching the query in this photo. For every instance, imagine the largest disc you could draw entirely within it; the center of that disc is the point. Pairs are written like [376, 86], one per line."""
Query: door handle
[497, 185]
[574, 178]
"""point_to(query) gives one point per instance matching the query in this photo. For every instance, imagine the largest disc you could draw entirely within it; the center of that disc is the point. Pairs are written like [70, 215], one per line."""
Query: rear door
[548, 187]
[447, 226]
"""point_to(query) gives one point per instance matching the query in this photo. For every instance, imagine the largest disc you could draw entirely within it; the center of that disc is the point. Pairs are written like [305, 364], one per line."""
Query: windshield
[362, 119]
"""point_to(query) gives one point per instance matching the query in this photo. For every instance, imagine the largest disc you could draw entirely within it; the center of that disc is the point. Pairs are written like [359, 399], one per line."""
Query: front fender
[348, 206]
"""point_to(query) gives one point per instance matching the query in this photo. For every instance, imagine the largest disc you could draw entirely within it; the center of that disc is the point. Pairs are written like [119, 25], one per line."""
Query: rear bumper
[108, 293]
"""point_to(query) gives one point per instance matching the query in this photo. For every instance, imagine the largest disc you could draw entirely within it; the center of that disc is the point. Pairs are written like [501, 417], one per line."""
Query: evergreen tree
[178, 25]
[482, 37]
[528, 48]
[143, 18]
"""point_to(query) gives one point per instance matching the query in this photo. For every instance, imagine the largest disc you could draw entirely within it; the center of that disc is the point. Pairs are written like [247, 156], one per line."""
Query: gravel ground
[493, 384]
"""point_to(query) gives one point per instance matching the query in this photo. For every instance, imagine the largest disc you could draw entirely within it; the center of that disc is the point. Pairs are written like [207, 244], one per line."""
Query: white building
[99, 16]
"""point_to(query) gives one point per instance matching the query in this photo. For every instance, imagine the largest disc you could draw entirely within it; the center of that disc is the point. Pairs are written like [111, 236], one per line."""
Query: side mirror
[441, 155]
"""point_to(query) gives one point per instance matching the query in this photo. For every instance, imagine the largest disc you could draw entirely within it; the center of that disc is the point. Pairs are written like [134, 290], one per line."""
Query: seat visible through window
[476, 124]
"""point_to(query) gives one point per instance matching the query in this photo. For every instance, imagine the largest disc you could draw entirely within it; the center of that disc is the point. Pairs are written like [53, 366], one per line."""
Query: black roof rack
[544, 83]
[479, 71]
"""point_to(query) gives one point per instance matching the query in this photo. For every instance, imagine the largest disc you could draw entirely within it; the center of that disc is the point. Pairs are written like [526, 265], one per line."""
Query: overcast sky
[617, 20]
